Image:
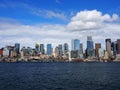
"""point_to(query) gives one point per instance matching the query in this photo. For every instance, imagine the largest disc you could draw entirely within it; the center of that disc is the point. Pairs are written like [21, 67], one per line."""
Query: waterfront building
[42, 50]
[60, 49]
[90, 43]
[69, 56]
[29, 51]
[11, 50]
[114, 47]
[97, 47]
[22, 54]
[49, 49]
[81, 50]
[65, 49]
[108, 46]
[23, 51]
[13, 53]
[101, 53]
[5, 52]
[1, 52]
[74, 54]
[56, 54]
[106, 55]
[118, 46]
[75, 44]
[117, 57]
[37, 48]
[17, 46]
[90, 47]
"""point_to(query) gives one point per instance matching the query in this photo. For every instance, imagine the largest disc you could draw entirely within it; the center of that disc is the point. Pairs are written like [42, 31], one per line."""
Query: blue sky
[22, 10]
[58, 21]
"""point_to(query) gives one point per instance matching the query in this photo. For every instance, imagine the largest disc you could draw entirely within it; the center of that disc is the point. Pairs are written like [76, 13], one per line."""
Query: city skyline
[30, 22]
[62, 51]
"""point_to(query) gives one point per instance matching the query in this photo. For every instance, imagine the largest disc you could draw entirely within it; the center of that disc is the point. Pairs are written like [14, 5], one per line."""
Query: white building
[5, 52]
[101, 52]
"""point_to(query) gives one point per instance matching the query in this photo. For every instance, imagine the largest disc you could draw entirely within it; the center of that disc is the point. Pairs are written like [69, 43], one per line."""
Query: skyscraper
[81, 50]
[90, 47]
[108, 46]
[60, 49]
[89, 43]
[114, 47]
[17, 46]
[118, 46]
[97, 47]
[49, 49]
[65, 47]
[37, 47]
[75, 44]
[56, 52]
[42, 50]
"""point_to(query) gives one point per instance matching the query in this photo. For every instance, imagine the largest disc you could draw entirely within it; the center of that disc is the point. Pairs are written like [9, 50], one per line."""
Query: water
[59, 76]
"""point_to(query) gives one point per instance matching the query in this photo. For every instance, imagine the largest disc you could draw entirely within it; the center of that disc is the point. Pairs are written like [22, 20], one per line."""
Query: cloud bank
[90, 20]
[86, 22]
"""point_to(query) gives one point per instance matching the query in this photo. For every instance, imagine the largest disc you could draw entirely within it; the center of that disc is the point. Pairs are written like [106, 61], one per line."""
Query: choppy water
[59, 76]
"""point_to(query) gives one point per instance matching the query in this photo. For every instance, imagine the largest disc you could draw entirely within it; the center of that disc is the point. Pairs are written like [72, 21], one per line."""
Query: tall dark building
[118, 46]
[49, 49]
[114, 47]
[108, 46]
[17, 47]
[65, 47]
[37, 47]
[90, 43]
[97, 47]
[81, 48]
[42, 50]
[74, 54]
[75, 44]
[90, 47]
[60, 49]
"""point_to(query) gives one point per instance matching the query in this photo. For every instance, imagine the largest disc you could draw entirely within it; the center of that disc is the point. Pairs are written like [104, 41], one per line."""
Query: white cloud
[89, 20]
[34, 10]
[85, 23]
[28, 35]
[49, 14]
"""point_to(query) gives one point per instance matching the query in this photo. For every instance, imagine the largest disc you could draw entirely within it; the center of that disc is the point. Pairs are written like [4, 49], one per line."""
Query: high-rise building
[56, 52]
[65, 48]
[114, 47]
[6, 52]
[97, 47]
[74, 54]
[108, 46]
[37, 47]
[90, 47]
[17, 47]
[118, 46]
[81, 50]
[101, 53]
[75, 44]
[42, 50]
[1, 52]
[49, 49]
[60, 49]
[90, 43]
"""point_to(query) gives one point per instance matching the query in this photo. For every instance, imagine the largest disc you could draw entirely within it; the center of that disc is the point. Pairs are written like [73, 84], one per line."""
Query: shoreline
[58, 61]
